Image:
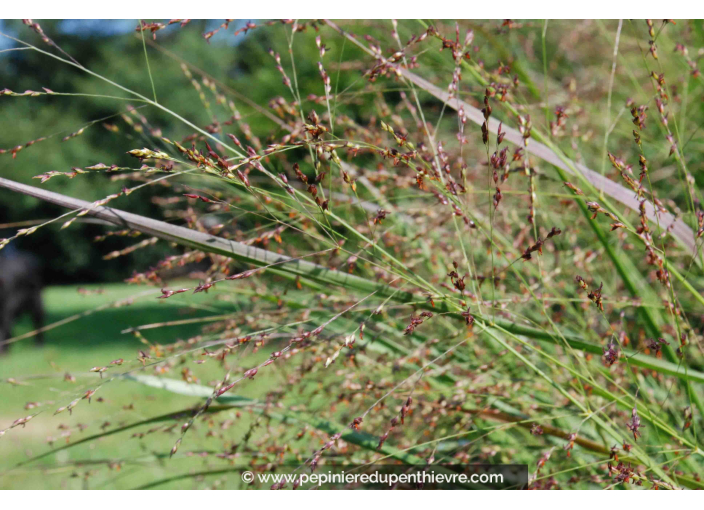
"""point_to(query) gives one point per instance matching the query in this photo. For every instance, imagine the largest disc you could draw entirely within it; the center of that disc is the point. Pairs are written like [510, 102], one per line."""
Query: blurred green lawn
[75, 347]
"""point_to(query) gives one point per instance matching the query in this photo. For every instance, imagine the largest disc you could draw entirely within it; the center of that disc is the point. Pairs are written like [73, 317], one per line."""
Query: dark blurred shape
[20, 292]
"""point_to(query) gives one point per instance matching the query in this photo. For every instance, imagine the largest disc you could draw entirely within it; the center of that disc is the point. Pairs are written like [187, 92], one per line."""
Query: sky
[108, 27]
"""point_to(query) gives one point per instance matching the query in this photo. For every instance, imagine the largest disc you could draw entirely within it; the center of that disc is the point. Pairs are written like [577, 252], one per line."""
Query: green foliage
[388, 276]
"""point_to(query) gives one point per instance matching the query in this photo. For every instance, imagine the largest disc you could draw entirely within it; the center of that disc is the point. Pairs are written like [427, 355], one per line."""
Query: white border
[408, 500]
[367, 9]
[350, 500]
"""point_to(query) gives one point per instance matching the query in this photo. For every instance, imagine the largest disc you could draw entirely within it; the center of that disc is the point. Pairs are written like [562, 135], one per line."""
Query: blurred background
[80, 285]
[113, 49]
